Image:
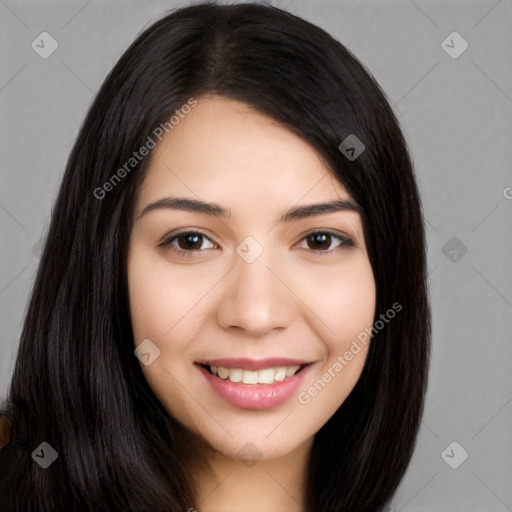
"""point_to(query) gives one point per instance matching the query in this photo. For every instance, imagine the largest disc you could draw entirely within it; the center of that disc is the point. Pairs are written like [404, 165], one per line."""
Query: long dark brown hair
[76, 383]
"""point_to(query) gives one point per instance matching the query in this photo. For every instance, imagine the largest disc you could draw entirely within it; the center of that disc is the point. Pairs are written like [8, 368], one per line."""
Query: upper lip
[253, 364]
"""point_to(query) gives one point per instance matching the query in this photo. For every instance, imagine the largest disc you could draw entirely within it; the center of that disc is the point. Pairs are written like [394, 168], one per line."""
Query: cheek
[159, 301]
[149, 304]
[348, 307]
[341, 300]
[343, 304]
[352, 307]
[159, 296]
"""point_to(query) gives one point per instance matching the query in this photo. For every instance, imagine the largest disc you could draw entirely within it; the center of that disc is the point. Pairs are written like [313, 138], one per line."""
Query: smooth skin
[303, 297]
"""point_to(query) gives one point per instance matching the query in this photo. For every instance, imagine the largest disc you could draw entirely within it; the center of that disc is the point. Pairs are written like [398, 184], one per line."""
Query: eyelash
[167, 243]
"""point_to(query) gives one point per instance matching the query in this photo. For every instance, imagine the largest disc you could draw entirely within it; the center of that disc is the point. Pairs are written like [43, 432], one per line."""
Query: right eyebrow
[190, 205]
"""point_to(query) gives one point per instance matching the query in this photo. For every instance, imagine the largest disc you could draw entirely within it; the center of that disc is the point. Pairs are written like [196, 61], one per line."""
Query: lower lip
[255, 396]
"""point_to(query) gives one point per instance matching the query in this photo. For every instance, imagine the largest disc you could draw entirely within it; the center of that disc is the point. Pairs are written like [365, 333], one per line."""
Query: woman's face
[254, 292]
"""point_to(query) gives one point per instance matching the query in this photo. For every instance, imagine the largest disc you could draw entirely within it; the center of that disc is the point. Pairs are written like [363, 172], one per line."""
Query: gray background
[456, 114]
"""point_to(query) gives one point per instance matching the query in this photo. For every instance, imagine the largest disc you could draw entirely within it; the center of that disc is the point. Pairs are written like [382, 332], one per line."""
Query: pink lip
[253, 364]
[255, 396]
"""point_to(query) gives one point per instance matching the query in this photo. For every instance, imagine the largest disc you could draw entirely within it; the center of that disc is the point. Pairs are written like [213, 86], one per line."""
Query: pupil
[192, 239]
[321, 240]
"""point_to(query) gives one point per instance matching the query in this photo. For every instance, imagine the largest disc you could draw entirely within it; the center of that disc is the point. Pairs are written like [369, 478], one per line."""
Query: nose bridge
[254, 298]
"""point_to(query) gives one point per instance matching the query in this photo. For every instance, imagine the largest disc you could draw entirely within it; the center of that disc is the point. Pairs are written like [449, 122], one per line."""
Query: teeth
[222, 372]
[249, 377]
[235, 375]
[280, 374]
[291, 371]
[265, 376]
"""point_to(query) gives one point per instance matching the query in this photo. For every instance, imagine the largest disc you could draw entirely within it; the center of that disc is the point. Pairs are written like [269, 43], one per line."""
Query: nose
[256, 298]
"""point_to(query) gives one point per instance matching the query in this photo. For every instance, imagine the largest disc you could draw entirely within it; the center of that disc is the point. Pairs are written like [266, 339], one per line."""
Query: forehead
[225, 151]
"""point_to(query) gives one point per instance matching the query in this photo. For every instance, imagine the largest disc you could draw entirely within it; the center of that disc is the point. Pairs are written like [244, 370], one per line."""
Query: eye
[321, 241]
[187, 243]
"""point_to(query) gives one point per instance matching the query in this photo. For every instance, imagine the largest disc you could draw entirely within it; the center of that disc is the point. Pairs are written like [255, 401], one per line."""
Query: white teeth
[280, 374]
[222, 372]
[235, 375]
[264, 376]
[249, 377]
[290, 371]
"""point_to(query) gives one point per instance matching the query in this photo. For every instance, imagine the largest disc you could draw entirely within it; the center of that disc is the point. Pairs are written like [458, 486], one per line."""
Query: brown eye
[190, 241]
[321, 241]
[187, 243]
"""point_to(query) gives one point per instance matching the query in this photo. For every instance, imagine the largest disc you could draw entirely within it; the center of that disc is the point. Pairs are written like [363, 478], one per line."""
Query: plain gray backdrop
[455, 108]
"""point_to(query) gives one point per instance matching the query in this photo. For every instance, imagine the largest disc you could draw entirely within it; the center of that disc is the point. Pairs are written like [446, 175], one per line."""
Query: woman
[281, 366]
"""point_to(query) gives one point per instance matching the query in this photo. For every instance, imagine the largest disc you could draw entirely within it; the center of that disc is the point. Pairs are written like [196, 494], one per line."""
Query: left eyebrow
[312, 210]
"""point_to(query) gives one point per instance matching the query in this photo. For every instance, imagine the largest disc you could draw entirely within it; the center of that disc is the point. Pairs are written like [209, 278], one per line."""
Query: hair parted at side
[76, 383]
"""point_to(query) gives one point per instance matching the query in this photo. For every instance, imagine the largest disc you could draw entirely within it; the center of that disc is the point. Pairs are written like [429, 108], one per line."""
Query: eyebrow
[214, 209]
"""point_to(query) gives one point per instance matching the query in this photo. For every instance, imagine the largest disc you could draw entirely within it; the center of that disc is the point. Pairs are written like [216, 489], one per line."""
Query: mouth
[255, 384]
[262, 376]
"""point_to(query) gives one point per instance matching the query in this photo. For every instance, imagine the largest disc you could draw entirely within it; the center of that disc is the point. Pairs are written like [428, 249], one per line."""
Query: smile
[254, 384]
[264, 376]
